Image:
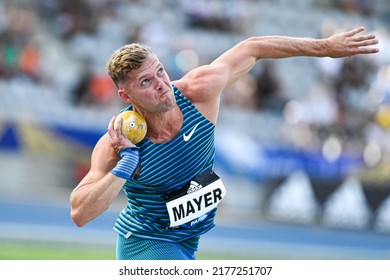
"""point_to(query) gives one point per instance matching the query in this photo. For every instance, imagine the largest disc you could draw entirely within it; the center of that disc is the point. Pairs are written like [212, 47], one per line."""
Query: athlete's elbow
[255, 47]
[81, 215]
[76, 213]
[77, 218]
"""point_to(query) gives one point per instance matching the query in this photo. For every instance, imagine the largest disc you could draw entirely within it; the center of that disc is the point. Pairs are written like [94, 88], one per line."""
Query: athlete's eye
[160, 71]
[145, 82]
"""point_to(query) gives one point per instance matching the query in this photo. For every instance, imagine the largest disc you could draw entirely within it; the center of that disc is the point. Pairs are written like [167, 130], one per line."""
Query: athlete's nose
[159, 84]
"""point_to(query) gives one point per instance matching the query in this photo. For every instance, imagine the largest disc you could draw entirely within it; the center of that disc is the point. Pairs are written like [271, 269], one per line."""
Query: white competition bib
[198, 200]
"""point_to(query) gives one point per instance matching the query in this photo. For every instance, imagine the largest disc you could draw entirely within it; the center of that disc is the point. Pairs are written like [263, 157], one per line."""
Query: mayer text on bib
[195, 204]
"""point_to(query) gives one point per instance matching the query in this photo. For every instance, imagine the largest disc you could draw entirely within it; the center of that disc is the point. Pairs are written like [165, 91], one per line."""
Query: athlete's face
[149, 87]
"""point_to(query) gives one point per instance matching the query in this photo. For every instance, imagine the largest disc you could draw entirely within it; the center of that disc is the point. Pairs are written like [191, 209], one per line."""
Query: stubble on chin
[171, 101]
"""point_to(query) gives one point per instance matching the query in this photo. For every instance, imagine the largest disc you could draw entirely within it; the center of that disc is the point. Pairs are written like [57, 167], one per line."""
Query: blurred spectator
[9, 55]
[75, 16]
[29, 62]
[351, 86]
[93, 88]
[102, 88]
[81, 92]
[268, 93]
[364, 7]
[241, 93]
[222, 16]
[354, 73]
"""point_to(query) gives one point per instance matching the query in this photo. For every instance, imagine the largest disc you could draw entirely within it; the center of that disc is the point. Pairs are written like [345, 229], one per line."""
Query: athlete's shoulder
[201, 92]
[180, 86]
[191, 87]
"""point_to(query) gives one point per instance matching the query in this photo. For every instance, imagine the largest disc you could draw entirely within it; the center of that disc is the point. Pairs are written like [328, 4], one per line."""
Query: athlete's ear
[124, 96]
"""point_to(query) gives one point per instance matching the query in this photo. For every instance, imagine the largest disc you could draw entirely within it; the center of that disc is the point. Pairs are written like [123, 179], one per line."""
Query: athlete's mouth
[164, 93]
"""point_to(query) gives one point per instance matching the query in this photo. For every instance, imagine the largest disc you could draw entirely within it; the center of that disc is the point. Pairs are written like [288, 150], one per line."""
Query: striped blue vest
[166, 167]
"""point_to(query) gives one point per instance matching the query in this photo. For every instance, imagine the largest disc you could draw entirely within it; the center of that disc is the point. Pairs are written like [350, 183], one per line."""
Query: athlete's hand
[351, 43]
[117, 139]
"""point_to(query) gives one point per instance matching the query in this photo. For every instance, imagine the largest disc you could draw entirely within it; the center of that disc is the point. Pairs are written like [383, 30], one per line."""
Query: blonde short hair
[125, 59]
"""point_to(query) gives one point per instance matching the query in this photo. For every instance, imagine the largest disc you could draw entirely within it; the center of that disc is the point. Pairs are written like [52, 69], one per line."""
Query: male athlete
[168, 177]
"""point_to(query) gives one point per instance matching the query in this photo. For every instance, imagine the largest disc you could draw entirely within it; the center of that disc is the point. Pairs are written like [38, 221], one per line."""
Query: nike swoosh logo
[188, 136]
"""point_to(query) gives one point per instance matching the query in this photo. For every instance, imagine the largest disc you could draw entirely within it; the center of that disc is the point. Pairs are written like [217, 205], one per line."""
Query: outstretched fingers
[365, 38]
[355, 31]
[360, 44]
[363, 46]
[351, 43]
[366, 50]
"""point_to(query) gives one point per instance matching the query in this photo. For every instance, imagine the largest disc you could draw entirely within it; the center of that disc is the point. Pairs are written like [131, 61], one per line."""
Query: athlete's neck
[163, 127]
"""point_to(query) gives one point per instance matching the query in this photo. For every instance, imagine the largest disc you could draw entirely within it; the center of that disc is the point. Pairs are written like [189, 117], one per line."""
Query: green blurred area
[53, 251]
[57, 251]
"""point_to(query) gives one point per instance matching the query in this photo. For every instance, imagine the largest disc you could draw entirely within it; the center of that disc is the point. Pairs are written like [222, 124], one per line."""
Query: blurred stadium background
[302, 143]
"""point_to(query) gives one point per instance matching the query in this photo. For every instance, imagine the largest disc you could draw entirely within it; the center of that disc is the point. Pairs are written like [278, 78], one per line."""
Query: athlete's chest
[168, 165]
[175, 162]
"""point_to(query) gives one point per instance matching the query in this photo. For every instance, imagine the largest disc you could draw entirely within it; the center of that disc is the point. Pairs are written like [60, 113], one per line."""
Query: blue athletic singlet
[167, 167]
